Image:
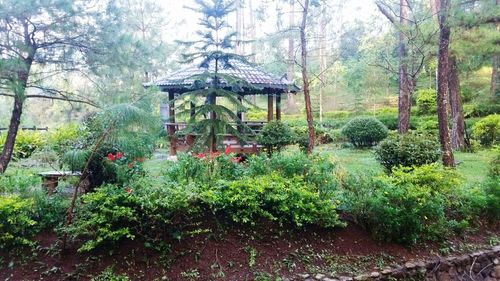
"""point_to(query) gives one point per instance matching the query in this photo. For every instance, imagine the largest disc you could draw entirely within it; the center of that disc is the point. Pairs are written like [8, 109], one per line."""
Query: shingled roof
[263, 81]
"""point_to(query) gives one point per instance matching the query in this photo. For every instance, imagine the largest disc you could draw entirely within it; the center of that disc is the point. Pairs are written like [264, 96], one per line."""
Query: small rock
[496, 272]
[361, 277]
[374, 274]
[386, 271]
[495, 261]
[410, 265]
[319, 276]
[496, 248]
[329, 279]
[345, 278]
[304, 275]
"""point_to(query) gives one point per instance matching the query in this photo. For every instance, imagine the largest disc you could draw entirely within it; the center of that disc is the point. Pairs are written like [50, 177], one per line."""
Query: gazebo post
[171, 126]
[269, 107]
[278, 106]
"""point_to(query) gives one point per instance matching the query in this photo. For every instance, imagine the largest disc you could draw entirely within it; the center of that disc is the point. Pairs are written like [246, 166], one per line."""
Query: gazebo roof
[264, 82]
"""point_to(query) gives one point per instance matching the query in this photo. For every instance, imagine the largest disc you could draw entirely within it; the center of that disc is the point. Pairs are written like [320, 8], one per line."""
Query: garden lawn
[473, 166]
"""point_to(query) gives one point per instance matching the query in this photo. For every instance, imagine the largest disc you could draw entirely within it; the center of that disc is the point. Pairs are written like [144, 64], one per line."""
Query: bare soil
[209, 250]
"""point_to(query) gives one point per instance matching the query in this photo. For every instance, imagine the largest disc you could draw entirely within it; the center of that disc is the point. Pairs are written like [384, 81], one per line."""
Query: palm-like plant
[213, 50]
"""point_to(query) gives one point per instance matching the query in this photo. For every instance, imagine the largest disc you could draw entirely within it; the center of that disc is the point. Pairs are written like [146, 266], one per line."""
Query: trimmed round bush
[365, 131]
[275, 135]
[408, 150]
[487, 130]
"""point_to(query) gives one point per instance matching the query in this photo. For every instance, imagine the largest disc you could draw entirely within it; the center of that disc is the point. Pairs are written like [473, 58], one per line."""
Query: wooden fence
[34, 128]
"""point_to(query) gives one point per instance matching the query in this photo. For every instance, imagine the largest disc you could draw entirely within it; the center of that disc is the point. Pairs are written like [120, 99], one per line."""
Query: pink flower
[128, 190]
[199, 156]
[119, 155]
[130, 165]
[111, 157]
[228, 150]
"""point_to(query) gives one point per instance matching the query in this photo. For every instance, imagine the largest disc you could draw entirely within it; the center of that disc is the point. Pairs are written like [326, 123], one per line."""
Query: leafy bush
[487, 130]
[16, 224]
[426, 101]
[481, 110]
[364, 131]
[410, 205]
[275, 135]
[26, 143]
[407, 150]
[427, 125]
[273, 197]
[492, 187]
[111, 213]
[316, 169]
[63, 138]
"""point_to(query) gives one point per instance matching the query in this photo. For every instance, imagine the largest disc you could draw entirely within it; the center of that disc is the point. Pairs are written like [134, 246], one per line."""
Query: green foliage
[63, 138]
[16, 223]
[26, 143]
[111, 213]
[480, 109]
[201, 168]
[273, 197]
[109, 275]
[409, 206]
[492, 187]
[407, 150]
[275, 135]
[364, 131]
[426, 101]
[487, 130]
[214, 49]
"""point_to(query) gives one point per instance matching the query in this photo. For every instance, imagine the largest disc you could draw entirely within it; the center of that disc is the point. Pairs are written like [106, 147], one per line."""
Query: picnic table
[51, 178]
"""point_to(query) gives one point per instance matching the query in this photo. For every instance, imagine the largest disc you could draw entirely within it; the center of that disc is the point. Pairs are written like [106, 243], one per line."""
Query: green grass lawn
[473, 166]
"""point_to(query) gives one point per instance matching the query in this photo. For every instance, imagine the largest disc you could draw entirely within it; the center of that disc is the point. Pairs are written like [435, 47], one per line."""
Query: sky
[186, 21]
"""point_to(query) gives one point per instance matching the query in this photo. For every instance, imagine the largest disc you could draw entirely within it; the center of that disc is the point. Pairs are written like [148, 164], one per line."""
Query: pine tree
[214, 51]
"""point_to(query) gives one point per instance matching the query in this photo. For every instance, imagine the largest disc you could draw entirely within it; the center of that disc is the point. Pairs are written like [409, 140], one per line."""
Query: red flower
[228, 150]
[211, 155]
[119, 155]
[111, 157]
[199, 156]
[217, 154]
[130, 165]
[128, 190]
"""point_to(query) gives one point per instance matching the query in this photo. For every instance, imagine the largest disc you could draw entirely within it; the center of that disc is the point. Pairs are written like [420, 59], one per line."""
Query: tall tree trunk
[457, 116]
[494, 77]
[434, 8]
[291, 106]
[15, 120]
[322, 62]
[404, 84]
[494, 69]
[442, 85]
[305, 78]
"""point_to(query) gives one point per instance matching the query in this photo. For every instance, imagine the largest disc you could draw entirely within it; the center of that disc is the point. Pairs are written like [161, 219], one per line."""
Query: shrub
[273, 197]
[481, 110]
[111, 213]
[426, 101]
[407, 150]
[26, 143]
[63, 138]
[364, 131]
[316, 169]
[275, 135]
[409, 206]
[16, 224]
[492, 187]
[487, 130]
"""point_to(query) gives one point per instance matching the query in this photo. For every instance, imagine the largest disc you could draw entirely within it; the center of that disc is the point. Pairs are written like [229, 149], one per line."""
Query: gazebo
[262, 83]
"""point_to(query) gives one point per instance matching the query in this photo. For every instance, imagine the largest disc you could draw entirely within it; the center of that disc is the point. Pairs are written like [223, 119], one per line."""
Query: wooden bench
[51, 179]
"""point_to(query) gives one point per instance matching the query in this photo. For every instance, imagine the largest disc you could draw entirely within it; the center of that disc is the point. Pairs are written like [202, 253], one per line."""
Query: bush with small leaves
[487, 130]
[365, 131]
[16, 223]
[407, 150]
[275, 135]
[426, 101]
